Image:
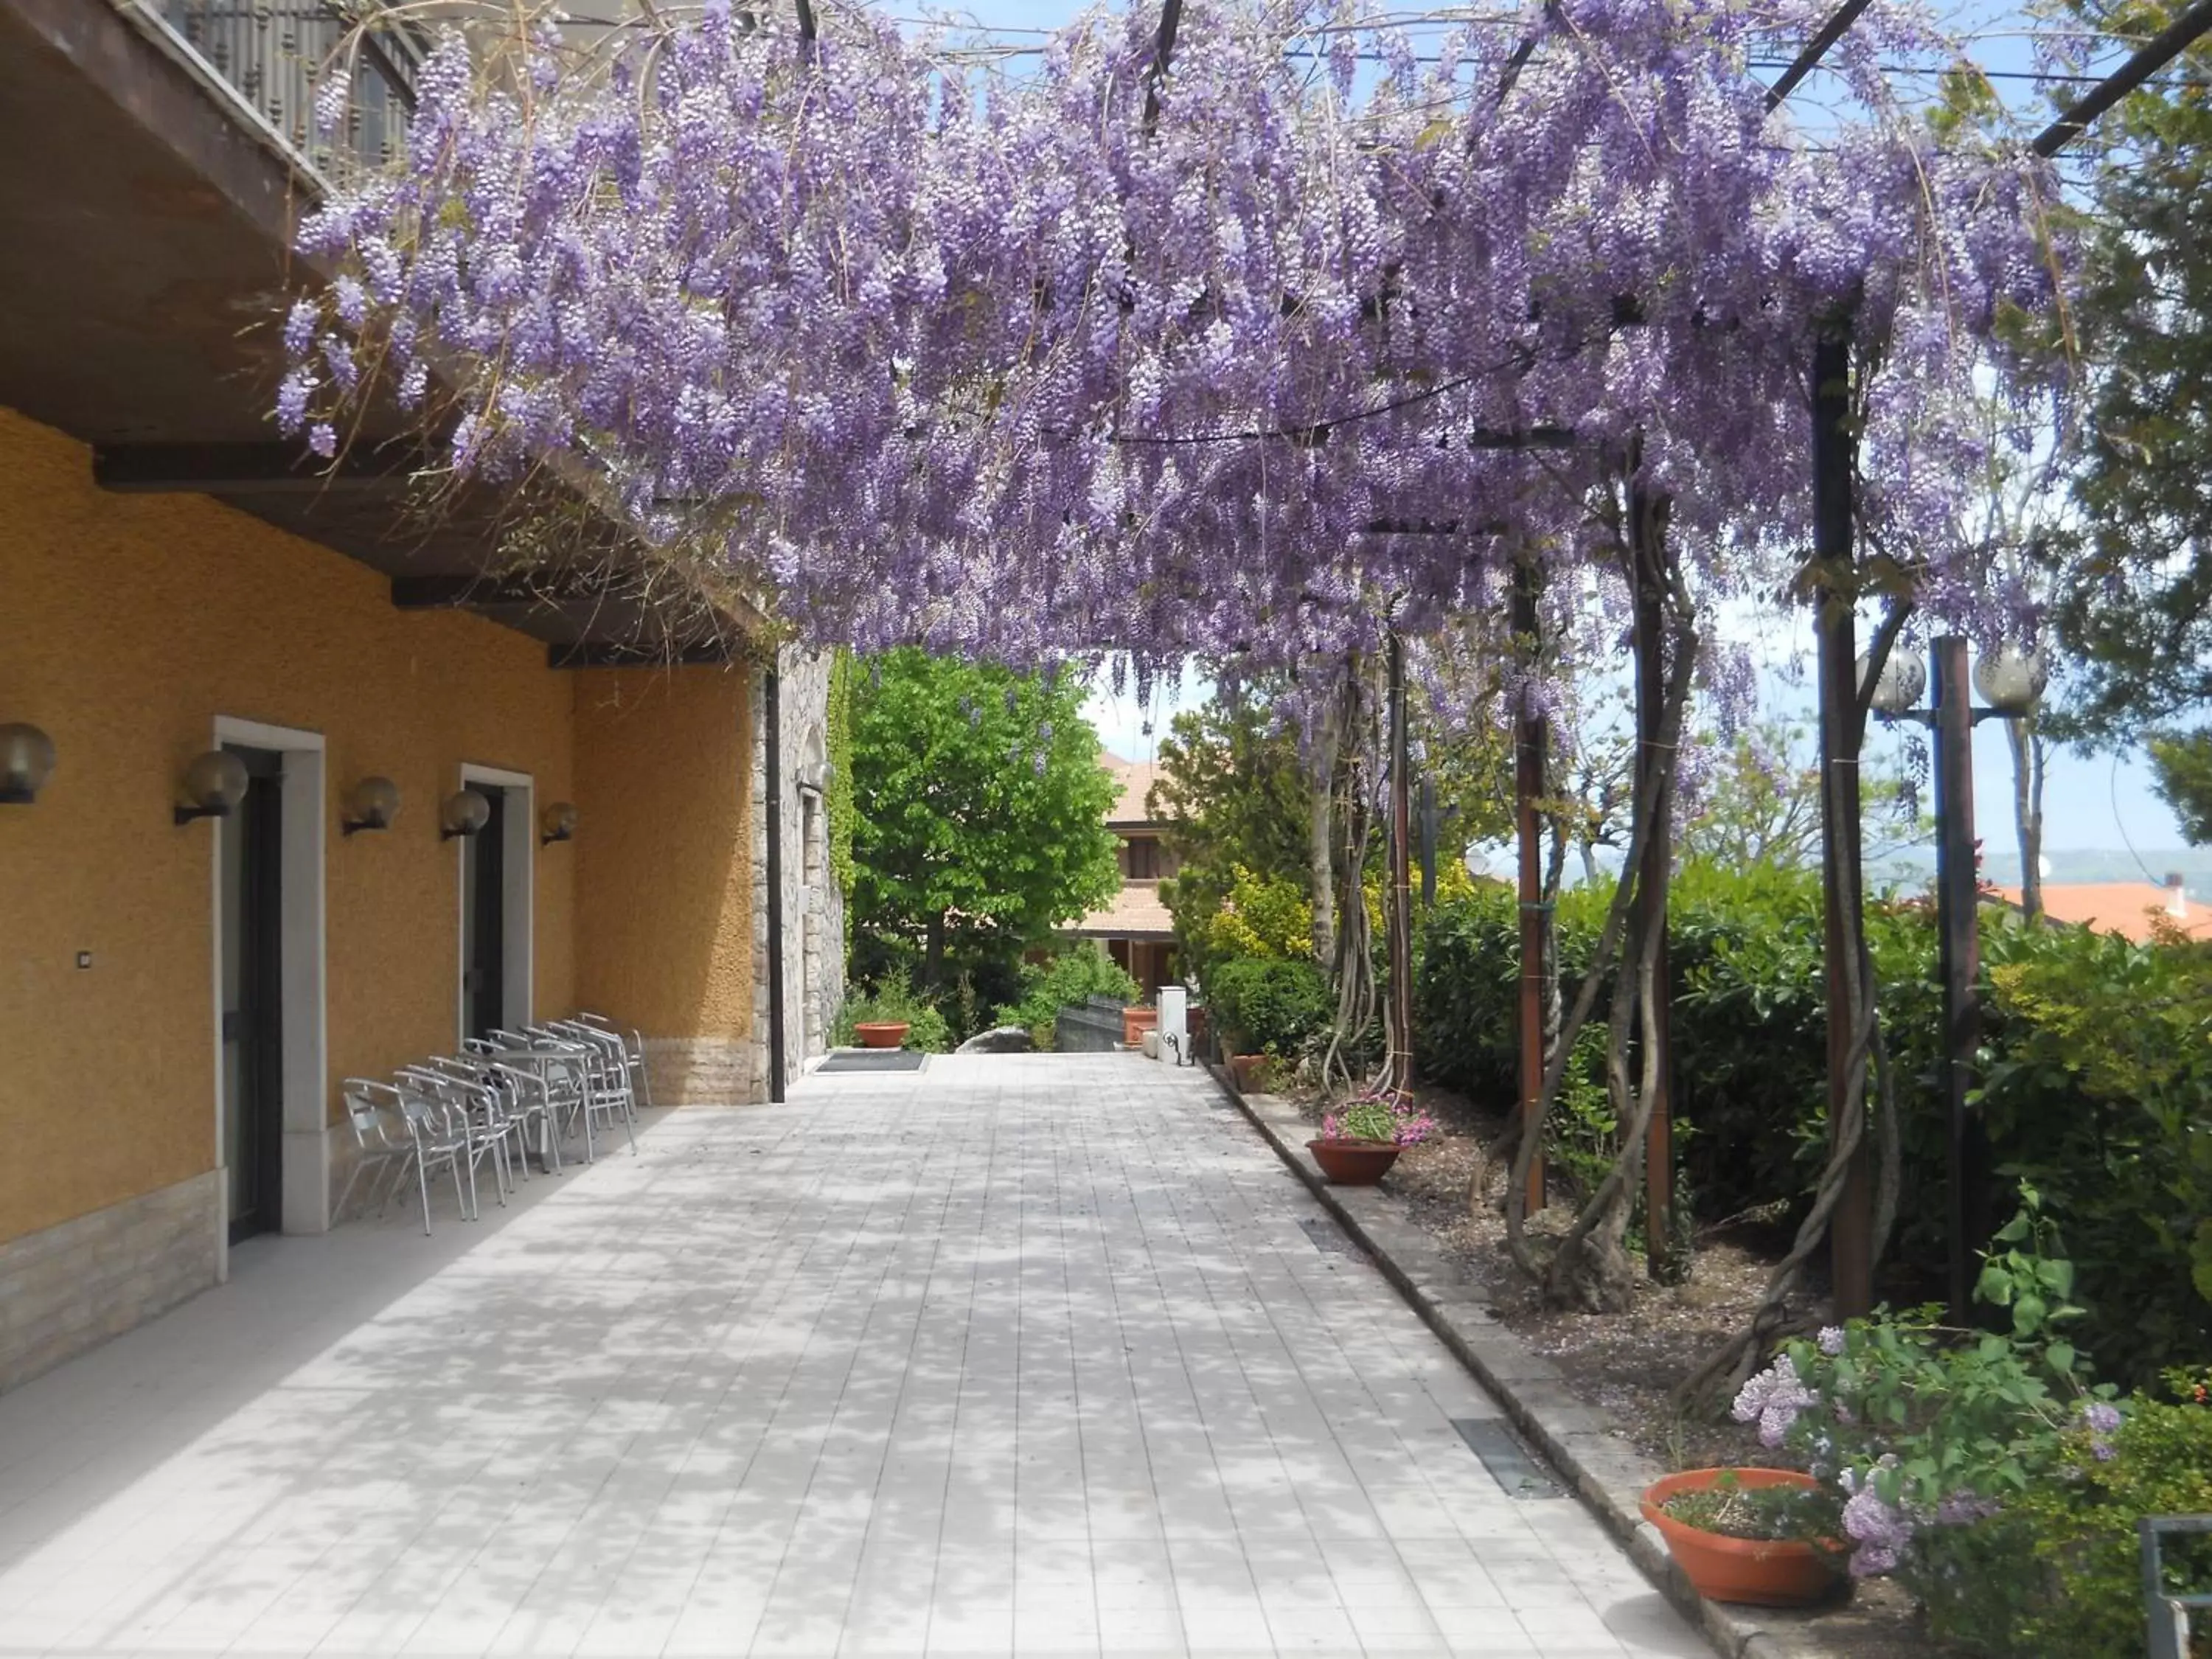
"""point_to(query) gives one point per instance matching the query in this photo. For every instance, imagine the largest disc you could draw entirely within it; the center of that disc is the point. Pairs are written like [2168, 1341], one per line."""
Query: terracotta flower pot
[1135, 1022]
[881, 1033]
[1760, 1572]
[1354, 1163]
[1250, 1072]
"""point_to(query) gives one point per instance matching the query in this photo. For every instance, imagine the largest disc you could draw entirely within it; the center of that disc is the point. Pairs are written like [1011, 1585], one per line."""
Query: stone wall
[67, 1288]
[813, 963]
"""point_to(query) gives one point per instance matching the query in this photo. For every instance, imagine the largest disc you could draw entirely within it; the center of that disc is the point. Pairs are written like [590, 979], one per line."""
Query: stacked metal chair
[504, 1095]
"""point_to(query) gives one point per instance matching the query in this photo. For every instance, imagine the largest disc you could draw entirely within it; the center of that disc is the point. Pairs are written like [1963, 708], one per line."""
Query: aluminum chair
[440, 1139]
[561, 1070]
[512, 1115]
[632, 1041]
[475, 1111]
[381, 1141]
[606, 1068]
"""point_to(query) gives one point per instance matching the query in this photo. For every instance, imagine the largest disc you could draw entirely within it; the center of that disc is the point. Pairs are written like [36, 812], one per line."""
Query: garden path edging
[1605, 1473]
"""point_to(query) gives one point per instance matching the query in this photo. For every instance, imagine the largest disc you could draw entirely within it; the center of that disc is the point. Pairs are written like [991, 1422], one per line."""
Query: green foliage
[1274, 1006]
[1083, 971]
[2097, 1067]
[2098, 1090]
[928, 1029]
[837, 797]
[1256, 915]
[2182, 764]
[979, 820]
[1759, 804]
[2073, 1539]
[2135, 597]
[1939, 1437]
[1233, 791]
[1805, 1514]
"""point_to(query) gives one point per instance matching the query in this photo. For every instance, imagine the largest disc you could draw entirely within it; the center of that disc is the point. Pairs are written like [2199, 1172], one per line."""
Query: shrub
[2074, 1537]
[2099, 1093]
[1273, 1004]
[1083, 971]
[2097, 1070]
[1261, 915]
[926, 1029]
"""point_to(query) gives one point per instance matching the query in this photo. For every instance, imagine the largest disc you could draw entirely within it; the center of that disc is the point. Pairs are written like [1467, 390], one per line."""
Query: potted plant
[1763, 1537]
[880, 1033]
[1360, 1140]
[1253, 1072]
[1135, 1022]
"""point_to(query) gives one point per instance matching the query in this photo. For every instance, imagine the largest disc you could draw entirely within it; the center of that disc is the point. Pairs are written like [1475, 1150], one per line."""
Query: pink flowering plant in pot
[1928, 1433]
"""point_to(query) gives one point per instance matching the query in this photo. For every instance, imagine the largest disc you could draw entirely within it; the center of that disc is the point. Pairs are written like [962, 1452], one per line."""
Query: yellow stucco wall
[664, 874]
[131, 622]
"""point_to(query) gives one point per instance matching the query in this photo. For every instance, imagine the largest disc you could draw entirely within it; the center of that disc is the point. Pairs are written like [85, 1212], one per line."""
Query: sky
[2091, 802]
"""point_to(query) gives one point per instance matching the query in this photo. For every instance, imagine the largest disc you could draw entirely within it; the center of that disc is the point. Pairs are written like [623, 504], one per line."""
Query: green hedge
[2098, 1056]
[1267, 1003]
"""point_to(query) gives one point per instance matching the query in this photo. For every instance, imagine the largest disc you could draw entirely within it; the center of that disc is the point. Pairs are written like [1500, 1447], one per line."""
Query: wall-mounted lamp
[557, 823]
[27, 761]
[465, 813]
[213, 784]
[371, 803]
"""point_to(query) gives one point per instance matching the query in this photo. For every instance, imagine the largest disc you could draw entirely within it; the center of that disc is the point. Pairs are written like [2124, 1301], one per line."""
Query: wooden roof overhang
[146, 216]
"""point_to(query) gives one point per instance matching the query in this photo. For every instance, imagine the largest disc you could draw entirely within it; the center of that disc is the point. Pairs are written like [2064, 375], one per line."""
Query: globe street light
[2010, 681]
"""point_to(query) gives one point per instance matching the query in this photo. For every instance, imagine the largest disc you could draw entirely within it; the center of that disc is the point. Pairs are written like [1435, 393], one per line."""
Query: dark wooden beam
[2155, 55]
[598, 653]
[250, 468]
[473, 593]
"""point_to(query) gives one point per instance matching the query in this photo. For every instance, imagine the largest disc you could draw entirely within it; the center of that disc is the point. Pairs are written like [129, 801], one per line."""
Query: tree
[1233, 792]
[1758, 802]
[2136, 600]
[2182, 764]
[979, 807]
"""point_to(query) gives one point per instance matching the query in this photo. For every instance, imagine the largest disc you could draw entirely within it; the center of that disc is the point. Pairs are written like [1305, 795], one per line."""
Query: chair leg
[468, 1200]
[423, 1179]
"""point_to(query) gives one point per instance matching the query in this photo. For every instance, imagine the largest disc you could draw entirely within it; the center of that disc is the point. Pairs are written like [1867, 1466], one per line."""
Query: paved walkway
[1017, 1356]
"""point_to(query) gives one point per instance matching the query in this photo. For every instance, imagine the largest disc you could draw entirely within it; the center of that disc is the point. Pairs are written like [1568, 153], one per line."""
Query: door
[483, 919]
[252, 997]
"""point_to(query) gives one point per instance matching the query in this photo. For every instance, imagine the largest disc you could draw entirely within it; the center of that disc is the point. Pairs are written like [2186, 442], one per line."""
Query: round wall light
[371, 803]
[465, 812]
[27, 761]
[213, 784]
[557, 823]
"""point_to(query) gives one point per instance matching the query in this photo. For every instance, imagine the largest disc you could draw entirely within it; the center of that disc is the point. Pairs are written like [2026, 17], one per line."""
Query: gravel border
[1591, 1457]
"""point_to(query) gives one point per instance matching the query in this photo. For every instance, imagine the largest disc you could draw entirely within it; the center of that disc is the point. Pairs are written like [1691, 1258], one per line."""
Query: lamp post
[2010, 681]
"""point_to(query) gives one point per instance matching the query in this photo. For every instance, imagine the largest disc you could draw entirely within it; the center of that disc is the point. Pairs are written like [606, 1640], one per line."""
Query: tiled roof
[2118, 907]
[1136, 778]
[1136, 913]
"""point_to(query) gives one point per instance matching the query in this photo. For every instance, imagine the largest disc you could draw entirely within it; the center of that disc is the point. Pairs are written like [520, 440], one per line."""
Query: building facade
[1135, 927]
[182, 993]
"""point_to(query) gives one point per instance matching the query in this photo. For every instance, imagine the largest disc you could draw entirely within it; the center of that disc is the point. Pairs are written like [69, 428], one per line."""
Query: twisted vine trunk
[1590, 1267]
[1321, 831]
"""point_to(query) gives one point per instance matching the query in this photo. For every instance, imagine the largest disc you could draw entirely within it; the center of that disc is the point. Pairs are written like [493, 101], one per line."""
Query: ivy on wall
[838, 798]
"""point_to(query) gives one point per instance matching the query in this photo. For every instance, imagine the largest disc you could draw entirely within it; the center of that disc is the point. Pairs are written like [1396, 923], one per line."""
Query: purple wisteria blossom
[999, 363]
[1773, 1399]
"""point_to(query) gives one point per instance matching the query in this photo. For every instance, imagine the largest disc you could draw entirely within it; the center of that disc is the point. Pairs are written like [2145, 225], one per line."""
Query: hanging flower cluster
[1252, 357]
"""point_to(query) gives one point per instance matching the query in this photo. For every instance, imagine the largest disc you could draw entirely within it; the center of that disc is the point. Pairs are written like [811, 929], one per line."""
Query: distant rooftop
[1133, 806]
[2126, 908]
[1136, 912]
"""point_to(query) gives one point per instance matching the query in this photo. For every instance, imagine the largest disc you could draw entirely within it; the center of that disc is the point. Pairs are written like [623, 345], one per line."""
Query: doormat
[874, 1059]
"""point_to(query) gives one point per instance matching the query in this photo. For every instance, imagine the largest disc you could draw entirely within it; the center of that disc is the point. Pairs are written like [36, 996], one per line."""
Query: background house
[1135, 927]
